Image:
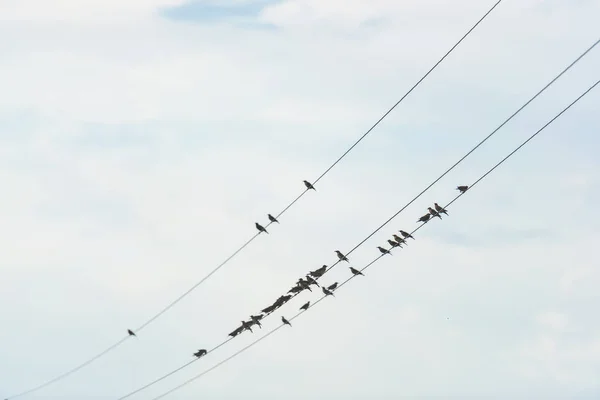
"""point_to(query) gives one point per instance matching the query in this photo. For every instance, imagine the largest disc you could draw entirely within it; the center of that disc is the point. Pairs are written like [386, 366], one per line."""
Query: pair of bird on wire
[396, 241]
[433, 213]
[273, 219]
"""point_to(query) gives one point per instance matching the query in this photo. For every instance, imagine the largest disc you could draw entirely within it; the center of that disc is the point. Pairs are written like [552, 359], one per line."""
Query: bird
[393, 243]
[247, 326]
[398, 239]
[333, 286]
[440, 209]
[304, 285]
[260, 228]
[341, 256]
[285, 321]
[383, 251]
[256, 320]
[237, 331]
[327, 292]
[131, 332]
[434, 213]
[200, 353]
[319, 272]
[309, 185]
[269, 309]
[356, 272]
[272, 218]
[295, 289]
[305, 306]
[424, 218]
[311, 281]
[406, 235]
[462, 189]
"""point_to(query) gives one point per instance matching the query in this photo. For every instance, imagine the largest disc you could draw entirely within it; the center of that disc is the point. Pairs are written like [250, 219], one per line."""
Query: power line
[379, 257]
[236, 252]
[416, 197]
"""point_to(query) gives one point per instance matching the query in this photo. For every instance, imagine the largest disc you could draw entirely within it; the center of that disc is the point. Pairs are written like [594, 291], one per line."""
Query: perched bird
[434, 213]
[305, 306]
[260, 228]
[319, 272]
[406, 235]
[327, 292]
[383, 251]
[130, 332]
[272, 218]
[333, 286]
[462, 189]
[304, 285]
[356, 272]
[440, 209]
[247, 326]
[311, 281]
[393, 243]
[399, 239]
[237, 331]
[295, 289]
[200, 353]
[285, 321]
[269, 309]
[256, 320]
[309, 185]
[341, 256]
[424, 218]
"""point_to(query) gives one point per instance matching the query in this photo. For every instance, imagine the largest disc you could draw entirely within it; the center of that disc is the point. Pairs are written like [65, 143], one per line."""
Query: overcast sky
[140, 140]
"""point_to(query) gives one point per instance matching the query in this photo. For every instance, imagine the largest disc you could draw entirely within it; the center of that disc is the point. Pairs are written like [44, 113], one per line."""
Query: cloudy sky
[140, 140]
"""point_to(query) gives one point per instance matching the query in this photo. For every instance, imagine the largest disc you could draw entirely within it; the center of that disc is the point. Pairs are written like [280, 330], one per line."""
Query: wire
[420, 194]
[379, 257]
[181, 297]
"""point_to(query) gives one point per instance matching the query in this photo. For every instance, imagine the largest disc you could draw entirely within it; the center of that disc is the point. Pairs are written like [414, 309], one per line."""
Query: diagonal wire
[418, 196]
[379, 257]
[178, 299]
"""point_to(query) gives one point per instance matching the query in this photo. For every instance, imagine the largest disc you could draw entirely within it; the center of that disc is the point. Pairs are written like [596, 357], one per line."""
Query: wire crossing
[379, 257]
[236, 252]
[582, 55]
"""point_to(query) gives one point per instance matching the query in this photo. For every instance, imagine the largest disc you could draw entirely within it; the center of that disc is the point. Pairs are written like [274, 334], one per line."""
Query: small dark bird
[311, 281]
[424, 218]
[304, 285]
[309, 185]
[260, 228]
[383, 251]
[440, 209]
[285, 321]
[333, 286]
[305, 306]
[200, 353]
[399, 240]
[327, 292]
[295, 289]
[256, 320]
[356, 272]
[434, 213]
[341, 256]
[269, 309]
[272, 218]
[130, 332]
[462, 189]
[247, 326]
[406, 235]
[393, 243]
[319, 272]
[237, 331]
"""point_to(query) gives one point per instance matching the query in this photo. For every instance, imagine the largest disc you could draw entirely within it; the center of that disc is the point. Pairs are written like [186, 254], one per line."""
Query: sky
[140, 140]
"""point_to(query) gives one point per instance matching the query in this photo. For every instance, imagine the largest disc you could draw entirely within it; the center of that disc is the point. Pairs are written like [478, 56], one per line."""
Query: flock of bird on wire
[311, 278]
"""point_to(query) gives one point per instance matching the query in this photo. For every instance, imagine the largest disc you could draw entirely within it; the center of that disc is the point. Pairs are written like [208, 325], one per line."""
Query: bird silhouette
[285, 321]
[383, 251]
[318, 272]
[272, 218]
[462, 189]
[237, 331]
[333, 286]
[341, 256]
[130, 332]
[311, 281]
[356, 272]
[309, 185]
[260, 227]
[399, 240]
[440, 209]
[200, 353]
[304, 285]
[434, 213]
[327, 292]
[393, 243]
[256, 320]
[295, 289]
[406, 235]
[424, 218]
[305, 306]
[269, 309]
[247, 325]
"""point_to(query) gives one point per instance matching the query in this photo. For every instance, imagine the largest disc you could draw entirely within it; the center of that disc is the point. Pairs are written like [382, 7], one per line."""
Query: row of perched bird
[311, 278]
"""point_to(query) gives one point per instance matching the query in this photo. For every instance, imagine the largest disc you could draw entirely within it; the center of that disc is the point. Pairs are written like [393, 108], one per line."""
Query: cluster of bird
[311, 278]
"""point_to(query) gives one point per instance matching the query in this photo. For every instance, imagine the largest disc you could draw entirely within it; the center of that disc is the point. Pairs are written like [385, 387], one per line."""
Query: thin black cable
[428, 187]
[174, 302]
[380, 256]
